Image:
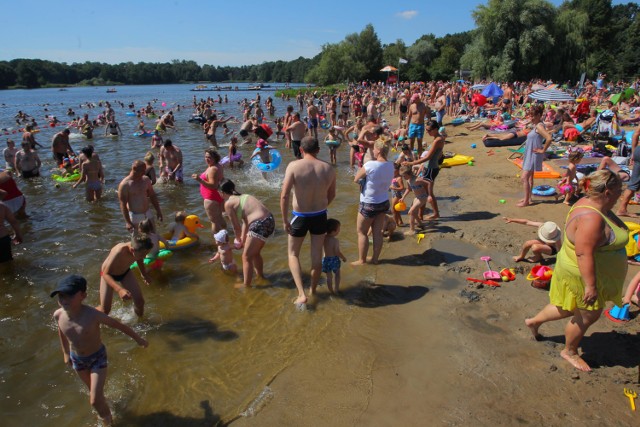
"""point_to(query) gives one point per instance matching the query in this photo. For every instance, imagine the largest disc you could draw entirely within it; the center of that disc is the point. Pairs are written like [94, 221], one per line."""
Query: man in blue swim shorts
[415, 121]
[313, 183]
[312, 114]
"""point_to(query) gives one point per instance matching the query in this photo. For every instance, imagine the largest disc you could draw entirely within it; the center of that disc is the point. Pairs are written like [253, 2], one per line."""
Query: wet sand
[429, 356]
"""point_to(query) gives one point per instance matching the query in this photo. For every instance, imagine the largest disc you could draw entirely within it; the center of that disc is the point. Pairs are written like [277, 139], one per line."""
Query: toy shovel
[632, 397]
[490, 274]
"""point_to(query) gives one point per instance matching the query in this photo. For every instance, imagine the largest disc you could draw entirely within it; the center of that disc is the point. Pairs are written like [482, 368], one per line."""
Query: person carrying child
[567, 185]
[178, 230]
[332, 256]
[225, 252]
[548, 242]
[82, 347]
[419, 188]
[116, 273]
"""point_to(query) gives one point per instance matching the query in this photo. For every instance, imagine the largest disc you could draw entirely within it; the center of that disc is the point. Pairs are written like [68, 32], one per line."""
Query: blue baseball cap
[70, 285]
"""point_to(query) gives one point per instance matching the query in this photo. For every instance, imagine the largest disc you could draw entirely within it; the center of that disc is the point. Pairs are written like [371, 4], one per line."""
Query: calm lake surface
[213, 349]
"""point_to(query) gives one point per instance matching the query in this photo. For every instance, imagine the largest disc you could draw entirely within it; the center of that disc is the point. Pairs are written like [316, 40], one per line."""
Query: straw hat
[549, 232]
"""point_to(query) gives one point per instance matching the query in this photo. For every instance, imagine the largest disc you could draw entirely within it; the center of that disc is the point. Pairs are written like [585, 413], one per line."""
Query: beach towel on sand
[546, 172]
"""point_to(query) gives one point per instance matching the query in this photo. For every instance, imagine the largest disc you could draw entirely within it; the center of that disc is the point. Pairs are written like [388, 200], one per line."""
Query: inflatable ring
[543, 190]
[143, 134]
[332, 143]
[154, 262]
[68, 178]
[324, 124]
[235, 158]
[191, 223]
[276, 159]
[129, 113]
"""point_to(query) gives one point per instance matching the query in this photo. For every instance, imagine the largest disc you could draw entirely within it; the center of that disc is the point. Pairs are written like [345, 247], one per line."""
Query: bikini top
[240, 208]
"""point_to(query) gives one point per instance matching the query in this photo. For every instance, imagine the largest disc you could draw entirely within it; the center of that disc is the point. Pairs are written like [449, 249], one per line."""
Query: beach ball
[400, 206]
[164, 104]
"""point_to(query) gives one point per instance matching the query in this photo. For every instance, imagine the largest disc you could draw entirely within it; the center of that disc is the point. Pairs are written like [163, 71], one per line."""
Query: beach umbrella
[538, 87]
[478, 86]
[389, 69]
[552, 86]
[492, 90]
[551, 95]
[479, 99]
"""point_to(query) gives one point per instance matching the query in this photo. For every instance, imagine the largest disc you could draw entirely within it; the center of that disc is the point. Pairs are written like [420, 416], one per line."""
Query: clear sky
[230, 32]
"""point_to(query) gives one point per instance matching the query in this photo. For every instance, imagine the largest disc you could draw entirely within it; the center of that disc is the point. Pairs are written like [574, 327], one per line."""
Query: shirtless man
[27, 161]
[60, 147]
[312, 116]
[393, 101]
[313, 183]
[247, 128]
[92, 173]
[170, 162]
[415, 121]
[288, 119]
[135, 192]
[27, 136]
[295, 132]
[115, 273]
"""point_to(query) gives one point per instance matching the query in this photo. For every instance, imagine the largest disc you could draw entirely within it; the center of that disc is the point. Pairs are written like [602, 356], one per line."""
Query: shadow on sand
[167, 419]
[367, 295]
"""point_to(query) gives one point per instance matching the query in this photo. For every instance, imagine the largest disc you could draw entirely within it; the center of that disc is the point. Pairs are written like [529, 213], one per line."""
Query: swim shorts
[634, 182]
[5, 249]
[94, 362]
[296, 149]
[94, 185]
[371, 210]
[137, 218]
[430, 174]
[262, 228]
[243, 133]
[313, 123]
[31, 174]
[415, 131]
[178, 174]
[59, 157]
[15, 204]
[331, 264]
[312, 222]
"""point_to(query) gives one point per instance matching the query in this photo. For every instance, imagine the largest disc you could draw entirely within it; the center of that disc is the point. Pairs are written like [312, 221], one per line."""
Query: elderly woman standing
[209, 182]
[252, 224]
[591, 266]
[374, 201]
[535, 147]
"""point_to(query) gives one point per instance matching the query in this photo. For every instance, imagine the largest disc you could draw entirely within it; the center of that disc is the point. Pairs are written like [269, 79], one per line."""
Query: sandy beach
[436, 357]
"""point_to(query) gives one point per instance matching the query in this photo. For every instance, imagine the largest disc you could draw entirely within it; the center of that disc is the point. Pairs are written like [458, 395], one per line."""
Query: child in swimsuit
[419, 188]
[567, 185]
[233, 153]
[397, 190]
[82, 347]
[548, 243]
[146, 227]
[332, 256]
[225, 252]
[178, 230]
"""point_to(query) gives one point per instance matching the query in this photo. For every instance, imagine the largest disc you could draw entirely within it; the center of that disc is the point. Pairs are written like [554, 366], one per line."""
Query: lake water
[213, 349]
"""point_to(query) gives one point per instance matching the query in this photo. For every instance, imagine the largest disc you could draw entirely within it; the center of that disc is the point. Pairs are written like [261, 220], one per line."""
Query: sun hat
[549, 232]
[221, 236]
[70, 285]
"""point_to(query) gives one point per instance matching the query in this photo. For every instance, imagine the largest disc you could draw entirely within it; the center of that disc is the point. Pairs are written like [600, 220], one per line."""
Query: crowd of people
[590, 269]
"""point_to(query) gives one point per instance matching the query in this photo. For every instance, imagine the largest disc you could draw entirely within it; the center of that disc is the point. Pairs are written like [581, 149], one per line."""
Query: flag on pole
[402, 61]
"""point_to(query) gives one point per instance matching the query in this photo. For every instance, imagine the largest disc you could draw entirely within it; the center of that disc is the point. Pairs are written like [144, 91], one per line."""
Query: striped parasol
[551, 95]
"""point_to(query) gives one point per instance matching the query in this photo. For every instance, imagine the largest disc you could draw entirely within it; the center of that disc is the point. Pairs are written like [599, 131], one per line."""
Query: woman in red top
[209, 182]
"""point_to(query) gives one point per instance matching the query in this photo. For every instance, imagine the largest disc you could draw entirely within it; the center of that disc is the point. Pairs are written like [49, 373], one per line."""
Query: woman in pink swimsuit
[209, 182]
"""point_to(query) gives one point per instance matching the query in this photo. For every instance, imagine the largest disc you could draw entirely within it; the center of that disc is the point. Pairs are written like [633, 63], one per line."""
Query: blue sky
[231, 32]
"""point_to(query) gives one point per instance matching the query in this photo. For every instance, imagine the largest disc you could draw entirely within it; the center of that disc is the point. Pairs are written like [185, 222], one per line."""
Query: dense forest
[513, 40]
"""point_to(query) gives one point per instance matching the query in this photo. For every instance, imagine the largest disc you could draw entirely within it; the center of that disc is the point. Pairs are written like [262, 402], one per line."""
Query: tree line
[513, 40]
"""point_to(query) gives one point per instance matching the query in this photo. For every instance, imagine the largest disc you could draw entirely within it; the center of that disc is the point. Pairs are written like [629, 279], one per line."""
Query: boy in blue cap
[79, 331]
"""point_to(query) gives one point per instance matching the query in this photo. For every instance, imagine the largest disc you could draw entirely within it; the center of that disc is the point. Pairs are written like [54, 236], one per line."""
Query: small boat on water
[259, 86]
[201, 88]
[111, 90]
